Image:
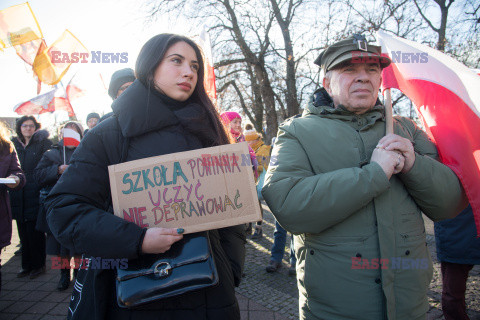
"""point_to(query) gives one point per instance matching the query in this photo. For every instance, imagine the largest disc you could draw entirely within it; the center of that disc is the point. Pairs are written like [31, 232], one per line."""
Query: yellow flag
[51, 64]
[18, 25]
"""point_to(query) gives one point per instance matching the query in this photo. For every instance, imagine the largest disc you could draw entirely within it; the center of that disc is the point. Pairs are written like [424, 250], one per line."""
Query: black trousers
[454, 278]
[33, 245]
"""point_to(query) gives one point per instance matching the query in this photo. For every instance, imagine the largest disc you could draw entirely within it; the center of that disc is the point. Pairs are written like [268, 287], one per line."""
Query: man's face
[123, 88]
[354, 86]
[92, 122]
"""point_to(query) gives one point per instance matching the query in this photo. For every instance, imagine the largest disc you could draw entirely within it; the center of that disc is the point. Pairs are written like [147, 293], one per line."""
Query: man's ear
[326, 83]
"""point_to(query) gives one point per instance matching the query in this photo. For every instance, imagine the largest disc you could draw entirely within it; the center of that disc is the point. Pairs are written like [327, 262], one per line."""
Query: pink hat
[228, 116]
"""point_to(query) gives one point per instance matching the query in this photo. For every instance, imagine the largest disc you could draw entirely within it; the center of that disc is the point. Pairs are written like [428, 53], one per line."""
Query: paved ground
[261, 295]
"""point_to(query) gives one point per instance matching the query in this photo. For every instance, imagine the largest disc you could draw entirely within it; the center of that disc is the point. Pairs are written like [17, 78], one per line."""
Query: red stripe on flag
[455, 128]
[70, 142]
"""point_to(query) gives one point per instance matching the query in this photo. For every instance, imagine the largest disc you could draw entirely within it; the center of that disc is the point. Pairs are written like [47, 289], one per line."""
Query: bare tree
[441, 30]
[284, 23]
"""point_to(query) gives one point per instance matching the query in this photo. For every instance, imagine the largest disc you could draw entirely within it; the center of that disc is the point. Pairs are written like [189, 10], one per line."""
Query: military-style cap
[355, 49]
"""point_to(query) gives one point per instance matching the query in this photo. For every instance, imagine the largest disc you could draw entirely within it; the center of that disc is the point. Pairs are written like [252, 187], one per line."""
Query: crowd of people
[348, 192]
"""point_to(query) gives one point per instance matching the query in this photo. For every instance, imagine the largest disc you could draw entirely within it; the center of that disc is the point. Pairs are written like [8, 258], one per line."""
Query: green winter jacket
[359, 237]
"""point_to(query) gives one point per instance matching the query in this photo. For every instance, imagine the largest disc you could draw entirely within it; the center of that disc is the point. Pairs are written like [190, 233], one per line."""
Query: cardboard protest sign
[196, 190]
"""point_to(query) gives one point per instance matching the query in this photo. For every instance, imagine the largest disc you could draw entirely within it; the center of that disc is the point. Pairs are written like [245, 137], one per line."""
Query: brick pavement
[261, 295]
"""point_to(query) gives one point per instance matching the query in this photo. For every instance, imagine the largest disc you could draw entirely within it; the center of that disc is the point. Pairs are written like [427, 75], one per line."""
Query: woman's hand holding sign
[159, 240]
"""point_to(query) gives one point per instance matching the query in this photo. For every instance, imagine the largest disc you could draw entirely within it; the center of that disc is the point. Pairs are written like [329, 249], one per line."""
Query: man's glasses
[31, 126]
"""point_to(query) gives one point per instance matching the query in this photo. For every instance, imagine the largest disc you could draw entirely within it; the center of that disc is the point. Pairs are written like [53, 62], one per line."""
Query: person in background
[278, 248]
[233, 123]
[120, 81]
[30, 143]
[50, 168]
[166, 110]
[248, 126]
[354, 196]
[93, 119]
[9, 168]
[262, 154]
[458, 250]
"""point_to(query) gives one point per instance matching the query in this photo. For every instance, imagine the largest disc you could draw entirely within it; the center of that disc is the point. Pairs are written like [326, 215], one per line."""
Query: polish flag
[71, 138]
[53, 100]
[447, 96]
[209, 80]
[39, 104]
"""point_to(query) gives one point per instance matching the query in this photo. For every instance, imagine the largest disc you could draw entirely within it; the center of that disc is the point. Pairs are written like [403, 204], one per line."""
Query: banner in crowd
[195, 190]
[18, 25]
[447, 96]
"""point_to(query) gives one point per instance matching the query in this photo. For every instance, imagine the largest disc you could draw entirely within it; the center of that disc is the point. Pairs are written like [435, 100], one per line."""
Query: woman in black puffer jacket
[30, 143]
[50, 168]
[166, 110]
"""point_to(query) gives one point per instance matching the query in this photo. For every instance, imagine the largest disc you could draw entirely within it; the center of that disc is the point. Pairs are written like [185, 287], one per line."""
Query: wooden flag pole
[388, 112]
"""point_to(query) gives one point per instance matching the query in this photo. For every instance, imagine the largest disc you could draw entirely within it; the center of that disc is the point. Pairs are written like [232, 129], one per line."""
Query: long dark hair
[6, 146]
[152, 54]
[19, 123]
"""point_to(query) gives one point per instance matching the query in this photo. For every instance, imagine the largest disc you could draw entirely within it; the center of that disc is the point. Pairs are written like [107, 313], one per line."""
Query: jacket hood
[37, 136]
[322, 104]
[40, 135]
[141, 110]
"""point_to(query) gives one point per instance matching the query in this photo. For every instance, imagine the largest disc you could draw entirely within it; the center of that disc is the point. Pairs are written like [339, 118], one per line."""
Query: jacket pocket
[411, 226]
[329, 277]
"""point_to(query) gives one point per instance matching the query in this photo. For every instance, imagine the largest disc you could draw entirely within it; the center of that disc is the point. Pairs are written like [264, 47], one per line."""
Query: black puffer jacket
[46, 175]
[154, 125]
[24, 202]
[46, 172]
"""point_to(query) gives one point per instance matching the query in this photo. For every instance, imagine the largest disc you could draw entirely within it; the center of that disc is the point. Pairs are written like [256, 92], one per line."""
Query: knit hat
[93, 115]
[251, 135]
[228, 116]
[119, 78]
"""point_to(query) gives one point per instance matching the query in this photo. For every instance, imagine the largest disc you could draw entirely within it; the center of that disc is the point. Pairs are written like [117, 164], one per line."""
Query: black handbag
[188, 265]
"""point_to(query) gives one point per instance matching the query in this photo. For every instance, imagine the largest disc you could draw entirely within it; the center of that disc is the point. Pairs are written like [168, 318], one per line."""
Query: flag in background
[28, 51]
[74, 89]
[51, 64]
[37, 105]
[53, 100]
[18, 25]
[447, 97]
[71, 138]
[209, 80]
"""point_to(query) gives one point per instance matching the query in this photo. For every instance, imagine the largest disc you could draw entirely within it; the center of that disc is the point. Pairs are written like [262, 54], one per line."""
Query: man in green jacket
[354, 197]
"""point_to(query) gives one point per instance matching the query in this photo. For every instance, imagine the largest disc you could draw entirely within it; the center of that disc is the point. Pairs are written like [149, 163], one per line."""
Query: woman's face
[176, 75]
[236, 125]
[28, 129]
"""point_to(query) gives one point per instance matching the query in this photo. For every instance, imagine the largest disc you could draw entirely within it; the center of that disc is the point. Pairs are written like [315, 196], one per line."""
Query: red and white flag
[73, 89]
[37, 105]
[71, 138]
[53, 100]
[447, 96]
[204, 41]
